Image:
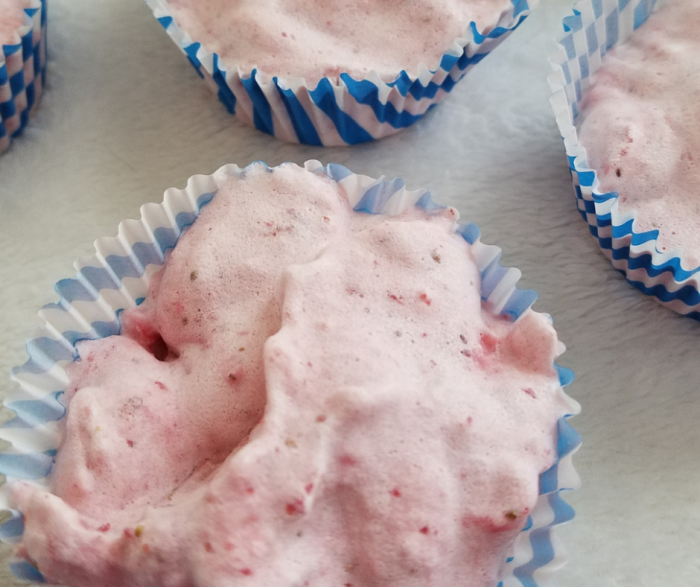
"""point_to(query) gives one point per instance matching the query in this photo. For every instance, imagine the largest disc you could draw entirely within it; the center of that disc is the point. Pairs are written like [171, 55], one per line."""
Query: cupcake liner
[346, 112]
[22, 73]
[117, 277]
[595, 27]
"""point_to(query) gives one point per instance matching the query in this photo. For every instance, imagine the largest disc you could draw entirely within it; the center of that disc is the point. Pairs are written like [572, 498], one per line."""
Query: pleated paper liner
[22, 73]
[343, 112]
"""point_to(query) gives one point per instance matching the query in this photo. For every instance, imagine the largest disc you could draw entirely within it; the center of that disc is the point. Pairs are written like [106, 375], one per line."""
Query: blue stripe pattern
[303, 126]
[13, 528]
[13, 110]
[90, 281]
[349, 122]
[31, 413]
[26, 572]
[520, 300]
[30, 466]
[618, 239]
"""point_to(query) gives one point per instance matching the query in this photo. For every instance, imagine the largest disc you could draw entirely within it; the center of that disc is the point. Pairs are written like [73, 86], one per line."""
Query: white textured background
[125, 117]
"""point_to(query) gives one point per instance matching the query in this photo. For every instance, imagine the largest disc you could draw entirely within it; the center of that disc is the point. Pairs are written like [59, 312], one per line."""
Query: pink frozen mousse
[323, 38]
[640, 125]
[309, 396]
[12, 17]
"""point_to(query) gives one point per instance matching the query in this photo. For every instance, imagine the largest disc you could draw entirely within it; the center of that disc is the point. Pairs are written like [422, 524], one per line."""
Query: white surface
[125, 117]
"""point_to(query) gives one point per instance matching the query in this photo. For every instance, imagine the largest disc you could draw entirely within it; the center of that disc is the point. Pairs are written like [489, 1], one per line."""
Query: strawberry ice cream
[12, 17]
[640, 125]
[309, 396]
[316, 39]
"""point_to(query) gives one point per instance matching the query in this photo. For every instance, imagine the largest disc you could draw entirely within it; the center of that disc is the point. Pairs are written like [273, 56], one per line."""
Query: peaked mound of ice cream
[317, 38]
[11, 18]
[640, 125]
[309, 396]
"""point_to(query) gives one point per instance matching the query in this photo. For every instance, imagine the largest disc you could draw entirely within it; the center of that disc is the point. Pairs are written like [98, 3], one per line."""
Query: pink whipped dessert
[316, 39]
[640, 125]
[12, 17]
[309, 396]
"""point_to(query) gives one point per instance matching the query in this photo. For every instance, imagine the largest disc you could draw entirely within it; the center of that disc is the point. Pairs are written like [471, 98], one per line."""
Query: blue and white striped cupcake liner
[344, 112]
[595, 27]
[117, 277]
[22, 73]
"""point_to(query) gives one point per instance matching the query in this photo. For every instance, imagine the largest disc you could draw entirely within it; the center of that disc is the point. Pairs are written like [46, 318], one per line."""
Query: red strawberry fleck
[530, 392]
[347, 460]
[130, 443]
[489, 342]
[424, 297]
[395, 298]
[309, 488]
[104, 528]
[246, 571]
[395, 492]
[295, 508]
[424, 530]
[208, 547]
[466, 353]
[160, 385]
[128, 533]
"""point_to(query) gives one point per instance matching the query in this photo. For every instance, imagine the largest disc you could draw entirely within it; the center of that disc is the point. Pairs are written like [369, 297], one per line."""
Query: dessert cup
[595, 27]
[117, 277]
[343, 112]
[22, 73]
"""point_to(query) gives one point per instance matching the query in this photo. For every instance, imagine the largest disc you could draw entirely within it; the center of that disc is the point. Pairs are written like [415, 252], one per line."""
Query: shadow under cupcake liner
[22, 74]
[339, 113]
[117, 277]
[595, 27]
